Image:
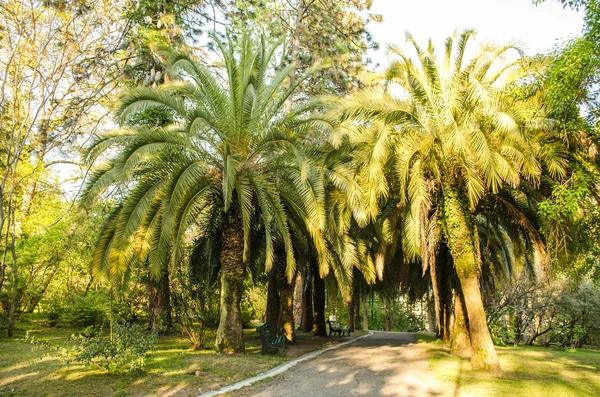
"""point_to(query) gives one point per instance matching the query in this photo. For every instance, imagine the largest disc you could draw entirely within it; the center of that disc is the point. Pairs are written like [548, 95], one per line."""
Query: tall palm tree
[449, 136]
[210, 171]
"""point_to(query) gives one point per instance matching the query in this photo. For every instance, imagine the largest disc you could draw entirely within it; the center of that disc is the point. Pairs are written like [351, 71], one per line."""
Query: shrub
[86, 310]
[128, 349]
[131, 306]
[55, 311]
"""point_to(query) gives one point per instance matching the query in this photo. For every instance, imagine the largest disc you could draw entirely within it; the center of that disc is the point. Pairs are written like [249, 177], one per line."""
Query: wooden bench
[336, 328]
[270, 342]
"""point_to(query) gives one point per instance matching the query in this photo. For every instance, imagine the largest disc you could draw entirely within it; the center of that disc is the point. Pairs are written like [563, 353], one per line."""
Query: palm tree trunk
[286, 297]
[306, 322]
[299, 302]
[159, 311]
[459, 339]
[350, 311]
[436, 297]
[462, 248]
[319, 328]
[356, 299]
[230, 335]
[445, 275]
[272, 302]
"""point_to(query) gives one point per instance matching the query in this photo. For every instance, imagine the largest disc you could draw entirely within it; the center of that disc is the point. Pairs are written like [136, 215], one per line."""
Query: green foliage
[254, 303]
[93, 308]
[311, 32]
[565, 203]
[131, 305]
[88, 310]
[128, 349]
[572, 225]
[423, 147]
[54, 311]
[403, 316]
[559, 313]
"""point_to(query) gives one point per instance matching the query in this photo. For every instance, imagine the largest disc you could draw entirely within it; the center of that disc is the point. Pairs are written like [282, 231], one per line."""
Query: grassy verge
[173, 369]
[527, 372]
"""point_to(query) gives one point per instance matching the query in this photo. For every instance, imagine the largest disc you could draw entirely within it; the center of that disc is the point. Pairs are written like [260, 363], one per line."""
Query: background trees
[58, 69]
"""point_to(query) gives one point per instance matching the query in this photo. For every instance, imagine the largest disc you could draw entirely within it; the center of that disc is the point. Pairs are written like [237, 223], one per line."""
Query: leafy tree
[569, 91]
[59, 64]
[312, 30]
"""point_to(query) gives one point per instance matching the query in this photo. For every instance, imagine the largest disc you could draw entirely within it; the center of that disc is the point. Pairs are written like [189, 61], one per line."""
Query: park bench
[336, 328]
[270, 342]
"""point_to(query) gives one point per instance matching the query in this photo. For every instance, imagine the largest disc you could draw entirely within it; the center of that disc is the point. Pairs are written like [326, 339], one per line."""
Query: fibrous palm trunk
[159, 308]
[462, 248]
[356, 298]
[350, 310]
[307, 319]
[286, 298]
[459, 340]
[272, 302]
[230, 336]
[437, 309]
[299, 302]
[319, 306]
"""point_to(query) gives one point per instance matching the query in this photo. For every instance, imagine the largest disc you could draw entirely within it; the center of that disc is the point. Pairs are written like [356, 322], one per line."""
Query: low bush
[87, 310]
[127, 350]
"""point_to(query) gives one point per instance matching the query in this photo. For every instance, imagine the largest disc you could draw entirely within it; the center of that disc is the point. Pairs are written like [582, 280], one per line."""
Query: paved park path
[383, 364]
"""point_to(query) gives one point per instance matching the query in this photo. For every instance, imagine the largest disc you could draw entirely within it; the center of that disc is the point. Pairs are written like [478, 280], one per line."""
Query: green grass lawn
[526, 371]
[173, 369]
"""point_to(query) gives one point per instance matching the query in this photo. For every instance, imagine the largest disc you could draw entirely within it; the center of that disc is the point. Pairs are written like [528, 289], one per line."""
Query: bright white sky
[538, 28]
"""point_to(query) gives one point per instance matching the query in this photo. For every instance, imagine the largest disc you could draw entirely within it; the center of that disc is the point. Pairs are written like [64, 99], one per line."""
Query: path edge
[281, 368]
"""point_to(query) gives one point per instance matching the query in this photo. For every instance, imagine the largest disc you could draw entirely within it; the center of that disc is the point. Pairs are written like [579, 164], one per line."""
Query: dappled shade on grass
[173, 369]
[526, 371]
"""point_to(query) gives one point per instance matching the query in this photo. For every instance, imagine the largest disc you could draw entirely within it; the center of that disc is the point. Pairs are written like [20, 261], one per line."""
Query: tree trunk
[159, 308]
[13, 301]
[459, 339]
[356, 298]
[436, 297]
[445, 275]
[372, 306]
[306, 322]
[230, 335]
[299, 302]
[350, 311]
[431, 316]
[365, 312]
[319, 328]
[286, 297]
[388, 322]
[462, 248]
[273, 302]
[294, 50]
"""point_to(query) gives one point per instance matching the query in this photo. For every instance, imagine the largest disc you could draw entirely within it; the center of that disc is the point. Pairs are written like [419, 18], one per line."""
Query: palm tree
[208, 172]
[449, 136]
